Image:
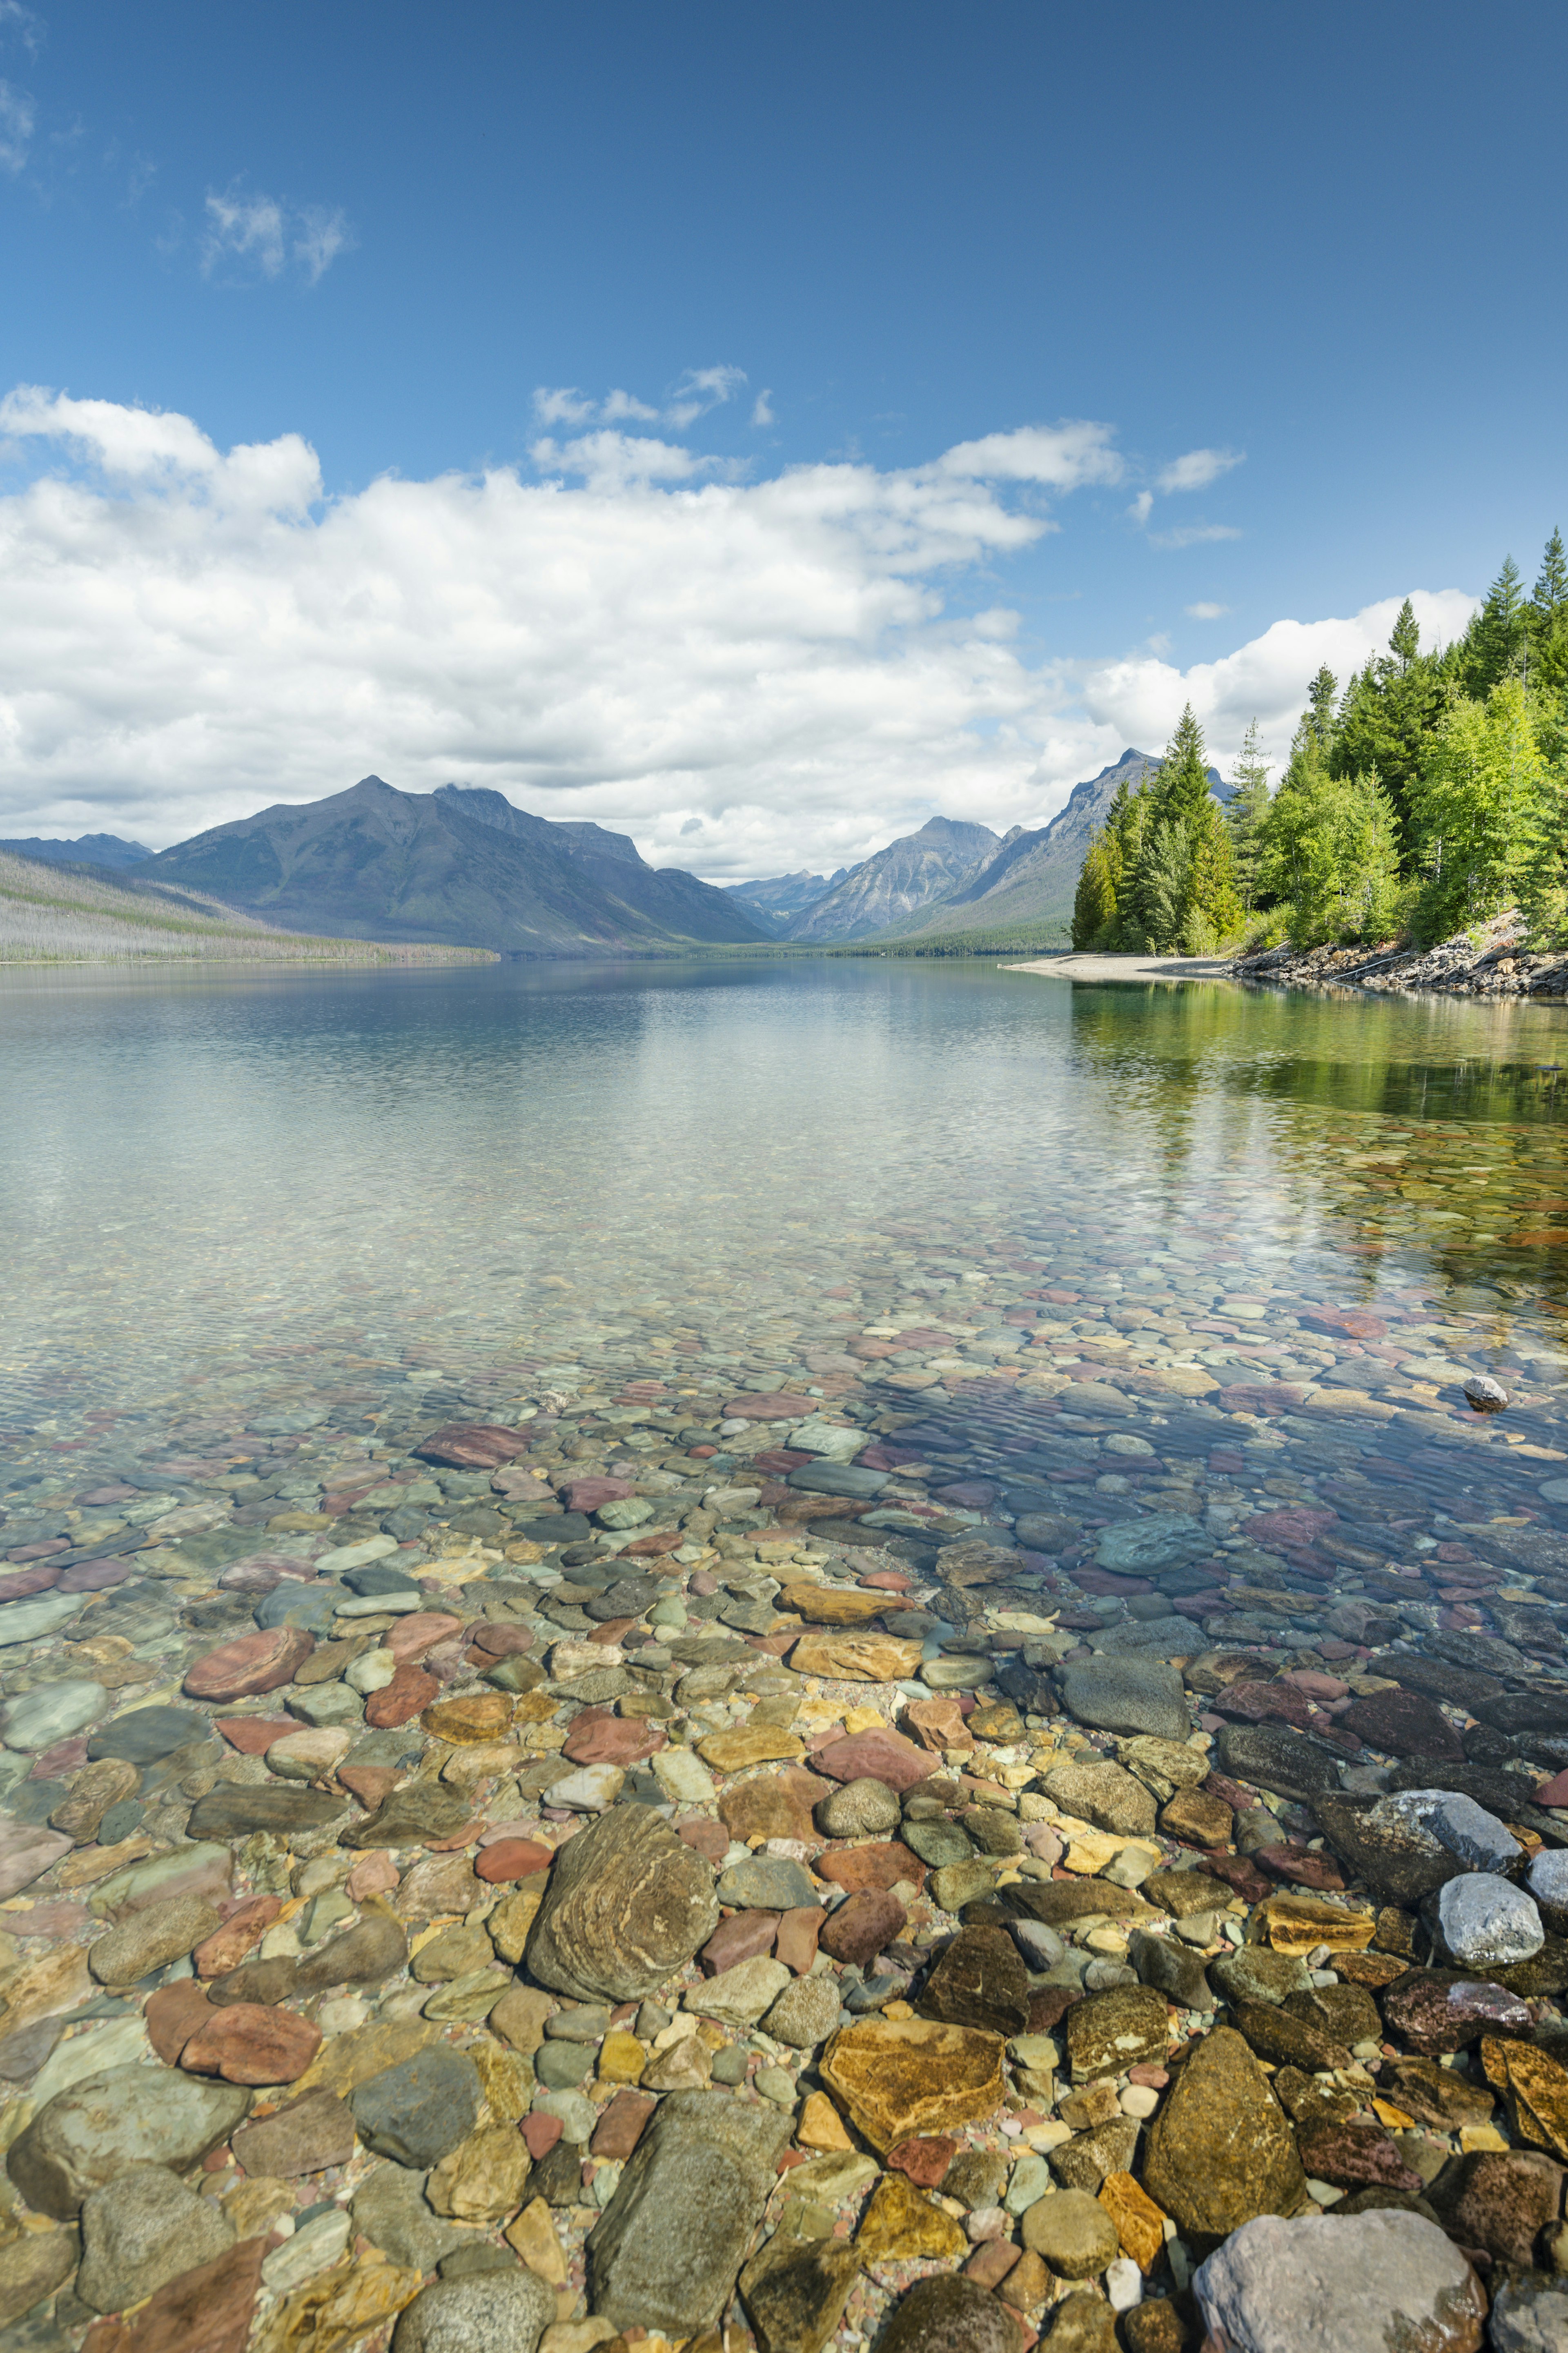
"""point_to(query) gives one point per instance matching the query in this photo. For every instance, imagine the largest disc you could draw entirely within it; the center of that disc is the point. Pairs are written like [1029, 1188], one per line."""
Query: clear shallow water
[226, 1194]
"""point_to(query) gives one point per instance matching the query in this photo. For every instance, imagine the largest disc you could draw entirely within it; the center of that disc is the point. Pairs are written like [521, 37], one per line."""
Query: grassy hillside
[78, 914]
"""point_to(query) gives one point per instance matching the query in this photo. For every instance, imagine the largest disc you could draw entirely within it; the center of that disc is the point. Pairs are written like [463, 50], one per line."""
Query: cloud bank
[747, 676]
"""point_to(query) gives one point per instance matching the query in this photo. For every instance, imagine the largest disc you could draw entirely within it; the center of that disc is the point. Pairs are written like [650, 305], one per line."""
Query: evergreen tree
[1159, 885]
[1548, 620]
[1386, 724]
[1486, 803]
[1330, 851]
[1181, 785]
[1245, 813]
[1211, 909]
[1494, 645]
[1094, 903]
[1319, 715]
[1404, 638]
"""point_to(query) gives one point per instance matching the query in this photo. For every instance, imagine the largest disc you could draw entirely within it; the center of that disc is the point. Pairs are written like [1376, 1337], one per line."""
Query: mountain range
[457, 864]
[462, 866]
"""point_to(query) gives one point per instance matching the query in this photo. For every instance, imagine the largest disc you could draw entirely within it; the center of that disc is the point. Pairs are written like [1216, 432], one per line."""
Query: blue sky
[1302, 269]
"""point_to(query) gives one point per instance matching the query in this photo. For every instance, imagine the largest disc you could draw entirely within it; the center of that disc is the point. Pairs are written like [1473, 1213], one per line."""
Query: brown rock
[208, 2310]
[1354, 2157]
[1108, 2032]
[471, 1721]
[621, 2124]
[856, 1658]
[1537, 2095]
[512, 1858]
[306, 2136]
[246, 2043]
[900, 2077]
[796, 1943]
[173, 2015]
[794, 2292]
[901, 2225]
[925, 2159]
[332, 2312]
[1437, 2010]
[92, 1791]
[1139, 2224]
[1196, 1819]
[1403, 1723]
[770, 1805]
[262, 1662]
[1499, 2200]
[1438, 2095]
[612, 1740]
[410, 1691]
[1286, 2041]
[747, 1745]
[411, 1637]
[862, 1925]
[835, 1605]
[32, 2265]
[876, 1863]
[980, 1980]
[1220, 2151]
[472, 1446]
[626, 1905]
[742, 1936]
[950, 2314]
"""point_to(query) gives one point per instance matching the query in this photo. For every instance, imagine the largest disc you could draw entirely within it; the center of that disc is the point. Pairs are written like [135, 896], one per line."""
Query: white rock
[371, 1672]
[310, 2251]
[1486, 1921]
[1468, 1831]
[590, 1789]
[355, 1555]
[381, 1605]
[683, 1776]
[833, 1442]
[1320, 2285]
[737, 1997]
[1123, 2283]
[1547, 1877]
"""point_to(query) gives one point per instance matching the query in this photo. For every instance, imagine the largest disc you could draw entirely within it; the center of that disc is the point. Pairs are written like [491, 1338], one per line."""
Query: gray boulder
[1129, 1692]
[95, 2129]
[417, 2112]
[1361, 2285]
[486, 2312]
[143, 2228]
[665, 2251]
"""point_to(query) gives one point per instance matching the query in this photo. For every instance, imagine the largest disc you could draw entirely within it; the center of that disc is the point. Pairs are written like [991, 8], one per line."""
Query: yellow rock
[897, 2009]
[1295, 1924]
[864, 1719]
[1536, 2092]
[733, 1752]
[346, 2061]
[901, 2225]
[339, 2308]
[471, 1722]
[1140, 2223]
[43, 1988]
[833, 1605]
[487, 1760]
[622, 2058]
[298, 1524]
[532, 2236]
[904, 2075]
[512, 1918]
[1394, 2118]
[856, 1658]
[1091, 1850]
[1481, 2137]
[482, 2180]
[89, 1863]
[256, 2204]
[820, 2125]
[508, 2081]
[534, 1707]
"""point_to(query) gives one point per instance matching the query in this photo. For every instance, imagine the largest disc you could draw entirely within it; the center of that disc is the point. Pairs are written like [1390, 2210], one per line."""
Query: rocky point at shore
[963, 1857]
[1488, 962]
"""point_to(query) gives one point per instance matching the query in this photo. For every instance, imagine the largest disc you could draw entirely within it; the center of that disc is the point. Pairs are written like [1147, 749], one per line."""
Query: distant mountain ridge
[459, 865]
[897, 882]
[1030, 878]
[777, 900]
[109, 850]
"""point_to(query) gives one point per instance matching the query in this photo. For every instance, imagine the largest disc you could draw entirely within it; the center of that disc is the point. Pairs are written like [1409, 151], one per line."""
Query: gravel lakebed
[972, 1828]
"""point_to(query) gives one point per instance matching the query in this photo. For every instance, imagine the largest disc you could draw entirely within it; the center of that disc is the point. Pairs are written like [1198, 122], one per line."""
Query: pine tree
[1405, 639]
[1181, 785]
[1094, 904]
[1548, 620]
[1385, 723]
[1493, 647]
[1158, 892]
[1484, 801]
[1211, 909]
[1245, 813]
[1321, 716]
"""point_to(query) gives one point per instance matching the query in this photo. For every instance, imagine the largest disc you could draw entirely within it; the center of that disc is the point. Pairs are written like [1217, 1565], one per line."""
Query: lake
[381, 1194]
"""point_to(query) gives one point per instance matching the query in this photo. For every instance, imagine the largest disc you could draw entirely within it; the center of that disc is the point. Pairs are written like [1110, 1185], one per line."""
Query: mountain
[88, 850]
[1031, 876]
[459, 864]
[897, 882]
[775, 902]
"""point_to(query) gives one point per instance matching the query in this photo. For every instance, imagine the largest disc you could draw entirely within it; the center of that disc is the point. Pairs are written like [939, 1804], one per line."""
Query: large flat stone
[665, 2251]
[628, 1905]
[126, 2115]
[900, 2077]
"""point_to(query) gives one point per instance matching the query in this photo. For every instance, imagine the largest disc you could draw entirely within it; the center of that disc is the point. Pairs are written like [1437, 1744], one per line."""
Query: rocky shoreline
[1489, 964]
[792, 1871]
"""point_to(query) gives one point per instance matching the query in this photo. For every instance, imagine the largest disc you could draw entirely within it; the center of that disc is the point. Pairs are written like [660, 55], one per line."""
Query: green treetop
[1182, 786]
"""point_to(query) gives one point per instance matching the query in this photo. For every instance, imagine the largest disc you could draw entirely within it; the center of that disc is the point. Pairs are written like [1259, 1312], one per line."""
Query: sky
[757, 429]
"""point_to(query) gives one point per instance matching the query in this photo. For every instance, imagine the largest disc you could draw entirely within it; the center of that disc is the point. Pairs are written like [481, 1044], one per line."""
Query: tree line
[1427, 797]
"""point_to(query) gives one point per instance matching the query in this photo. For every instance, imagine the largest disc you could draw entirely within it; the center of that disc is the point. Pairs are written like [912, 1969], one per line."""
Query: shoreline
[1085, 967]
[1491, 965]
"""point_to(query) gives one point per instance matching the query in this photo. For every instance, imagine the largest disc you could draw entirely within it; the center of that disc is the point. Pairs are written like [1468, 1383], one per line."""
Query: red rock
[587, 1494]
[1297, 1524]
[708, 1838]
[621, 2126]
[95, 1576]
[662, 1540]
[1049, 2005]
[1553, 1792]
[1354, 2157]
[512, 1859]
[1240, 1875]
[1353, 1324]
[173, 2015]
[1264, 1704]
[472, 1446]
[456, 1840]
[411, 1637]
[612, 1740]
[778, 1406]
[373, 1874]
[262, 1662]
[253, 1736]
[862, 1925]
[44, 1550]
[56, 1764]
[1144, 2071]
[41, 1578]
[1261, 1396]
[540, 2133]
[937, 1724]
[58, 1920]
[991, 2263]
[795, 1943]
[1301, 1867]
[369, 1783]
[968, 1494]
[886, 1580]
[227, 1946]
[743, 1936]
[884, 1756]
[878, 1864]
[249, 2042]
[610, 1630]
[208, 2310]
[499, 1641]
[924, 2159]
[408, 1693]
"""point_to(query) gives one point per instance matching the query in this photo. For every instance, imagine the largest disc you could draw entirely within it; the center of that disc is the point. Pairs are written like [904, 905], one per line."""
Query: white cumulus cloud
[746, 675]
[1198, 469]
